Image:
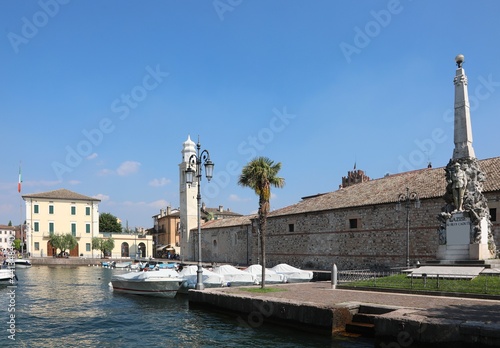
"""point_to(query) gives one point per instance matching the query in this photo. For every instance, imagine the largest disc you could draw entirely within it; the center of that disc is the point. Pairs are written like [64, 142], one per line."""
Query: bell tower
[188, 207]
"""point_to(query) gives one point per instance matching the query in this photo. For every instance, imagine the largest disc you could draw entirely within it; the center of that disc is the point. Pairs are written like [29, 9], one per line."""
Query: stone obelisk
[465, 230]
[463, 128]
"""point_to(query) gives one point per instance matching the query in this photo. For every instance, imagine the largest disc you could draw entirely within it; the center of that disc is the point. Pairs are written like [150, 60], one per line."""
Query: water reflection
[63, 306]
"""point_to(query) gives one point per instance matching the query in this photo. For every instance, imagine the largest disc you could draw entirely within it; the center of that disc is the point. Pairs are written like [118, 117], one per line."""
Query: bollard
[334, 276]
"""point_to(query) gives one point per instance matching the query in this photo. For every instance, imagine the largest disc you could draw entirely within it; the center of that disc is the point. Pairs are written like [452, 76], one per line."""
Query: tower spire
[463, 129]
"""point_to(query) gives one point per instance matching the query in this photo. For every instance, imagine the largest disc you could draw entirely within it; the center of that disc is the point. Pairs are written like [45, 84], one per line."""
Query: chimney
[169, 209]
[221, 208]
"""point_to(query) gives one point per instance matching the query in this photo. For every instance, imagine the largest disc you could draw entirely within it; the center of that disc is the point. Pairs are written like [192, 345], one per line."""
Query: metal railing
[398, 280]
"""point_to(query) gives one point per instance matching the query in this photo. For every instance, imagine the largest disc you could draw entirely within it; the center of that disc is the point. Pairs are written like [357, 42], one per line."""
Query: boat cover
[271, 276]
[293, 274]
[210, 279]
[235, 276]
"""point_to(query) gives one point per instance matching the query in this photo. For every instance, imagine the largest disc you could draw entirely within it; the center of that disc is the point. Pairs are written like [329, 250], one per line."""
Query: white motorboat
[209, 278]
[292, 274]
[123, 264]
[161, 283]
[22, 263]
[7, 277]
[236, 277]
[271, 276]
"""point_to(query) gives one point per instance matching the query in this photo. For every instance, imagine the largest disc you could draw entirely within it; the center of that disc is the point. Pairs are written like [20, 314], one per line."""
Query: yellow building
[129, 246]
[61, 211]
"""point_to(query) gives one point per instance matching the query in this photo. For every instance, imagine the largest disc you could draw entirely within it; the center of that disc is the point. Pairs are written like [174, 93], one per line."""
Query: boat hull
[7, 277]
[164, 283]
[22, 264]
[158, 288]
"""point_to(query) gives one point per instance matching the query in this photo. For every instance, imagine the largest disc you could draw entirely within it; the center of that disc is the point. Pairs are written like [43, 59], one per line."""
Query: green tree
[63, 242]
[109, 223]
[10, 223]
[260, 174]
[56, 241]
[17, 244]
[103, 245]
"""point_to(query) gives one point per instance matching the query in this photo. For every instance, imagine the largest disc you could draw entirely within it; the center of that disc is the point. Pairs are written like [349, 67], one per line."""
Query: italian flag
[20, 181]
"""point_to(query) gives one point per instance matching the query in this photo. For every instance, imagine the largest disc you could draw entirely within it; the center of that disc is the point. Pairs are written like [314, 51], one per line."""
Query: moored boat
[292, 274]
[271, 276]
[123, 264]
[236, 277]
[22, 263]
[209, 278]
[161, 283]
[7, 276]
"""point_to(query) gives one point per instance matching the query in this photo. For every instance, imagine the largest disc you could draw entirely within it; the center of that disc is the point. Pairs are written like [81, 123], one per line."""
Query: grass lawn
[266, 290]
[482, 284]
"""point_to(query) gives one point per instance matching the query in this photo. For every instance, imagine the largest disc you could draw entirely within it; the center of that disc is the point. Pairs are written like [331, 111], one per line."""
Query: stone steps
[492, 263]
[363, 322]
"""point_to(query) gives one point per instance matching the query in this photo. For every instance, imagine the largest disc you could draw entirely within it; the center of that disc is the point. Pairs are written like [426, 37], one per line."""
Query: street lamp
[196, 160]
[408, 198]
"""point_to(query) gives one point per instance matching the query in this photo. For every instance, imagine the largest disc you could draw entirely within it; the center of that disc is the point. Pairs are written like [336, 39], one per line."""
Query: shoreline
[391, 318]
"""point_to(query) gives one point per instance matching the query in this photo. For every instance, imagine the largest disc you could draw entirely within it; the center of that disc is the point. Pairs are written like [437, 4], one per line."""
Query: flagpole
[20, 208]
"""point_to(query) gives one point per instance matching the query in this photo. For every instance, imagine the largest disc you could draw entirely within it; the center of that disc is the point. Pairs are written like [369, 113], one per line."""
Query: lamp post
[196, 160]
[408, 198]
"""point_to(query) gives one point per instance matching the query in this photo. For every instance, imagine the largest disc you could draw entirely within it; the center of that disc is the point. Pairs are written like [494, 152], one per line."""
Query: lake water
[75, 307]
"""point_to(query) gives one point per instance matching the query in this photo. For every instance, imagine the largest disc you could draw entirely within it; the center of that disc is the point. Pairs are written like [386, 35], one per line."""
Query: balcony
[46, 235]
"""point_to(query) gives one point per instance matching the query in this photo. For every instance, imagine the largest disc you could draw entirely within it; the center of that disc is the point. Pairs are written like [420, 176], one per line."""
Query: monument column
[465, 230]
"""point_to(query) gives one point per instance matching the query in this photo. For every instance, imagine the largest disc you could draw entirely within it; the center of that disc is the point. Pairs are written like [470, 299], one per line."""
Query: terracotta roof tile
[61, 194]
[229, 222]
[428, 183]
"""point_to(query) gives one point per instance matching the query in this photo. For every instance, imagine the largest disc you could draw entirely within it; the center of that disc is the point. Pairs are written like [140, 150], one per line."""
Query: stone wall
[317, 240]
[376, 240]
[227, 245]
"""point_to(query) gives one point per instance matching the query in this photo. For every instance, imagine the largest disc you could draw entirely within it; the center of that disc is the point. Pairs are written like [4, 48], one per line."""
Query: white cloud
[236, 198]
[92, 156]
[106, 172]
[102, 197]
[159, 182]
[159, 204]
[74, 182]
[128, 167]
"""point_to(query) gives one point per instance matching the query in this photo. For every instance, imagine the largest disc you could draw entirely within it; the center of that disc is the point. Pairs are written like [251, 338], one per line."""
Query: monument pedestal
[460, 239]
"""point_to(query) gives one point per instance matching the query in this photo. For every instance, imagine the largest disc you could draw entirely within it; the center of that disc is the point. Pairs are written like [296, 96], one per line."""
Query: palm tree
[260, 174]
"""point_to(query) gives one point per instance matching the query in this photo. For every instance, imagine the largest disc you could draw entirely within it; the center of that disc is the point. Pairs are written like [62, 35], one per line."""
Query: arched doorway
[142, 248]
[125, 249]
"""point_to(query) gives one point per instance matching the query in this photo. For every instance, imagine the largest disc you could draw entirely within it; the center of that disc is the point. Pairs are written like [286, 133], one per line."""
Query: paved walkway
[322, 294]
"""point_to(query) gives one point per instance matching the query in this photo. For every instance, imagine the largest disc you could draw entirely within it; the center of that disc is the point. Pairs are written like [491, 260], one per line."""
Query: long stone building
[355, 227]
[358, 225]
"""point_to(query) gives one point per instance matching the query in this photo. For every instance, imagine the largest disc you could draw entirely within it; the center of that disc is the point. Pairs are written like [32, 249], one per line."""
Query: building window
[73, 229]
[37, 246]
[87, 211]
[87, 246]
[493, 214]
[51, 227]
[291, 227]
[36, 226]
[353, 223]
[73, 210]
[51, 209]
[36, 209]
[87, 228]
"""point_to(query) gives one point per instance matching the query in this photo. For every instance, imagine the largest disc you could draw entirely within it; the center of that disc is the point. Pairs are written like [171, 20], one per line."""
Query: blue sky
[98, 96]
